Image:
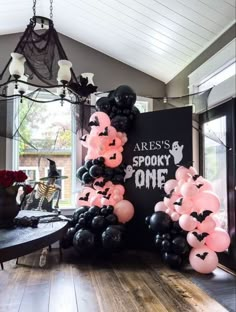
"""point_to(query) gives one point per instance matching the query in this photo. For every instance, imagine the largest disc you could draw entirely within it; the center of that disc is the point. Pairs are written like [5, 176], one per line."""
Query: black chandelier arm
[31, 84]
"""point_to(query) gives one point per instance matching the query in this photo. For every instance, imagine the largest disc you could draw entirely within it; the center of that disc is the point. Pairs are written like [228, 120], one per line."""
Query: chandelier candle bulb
[89, 76]
[16, 67]
[64, 72]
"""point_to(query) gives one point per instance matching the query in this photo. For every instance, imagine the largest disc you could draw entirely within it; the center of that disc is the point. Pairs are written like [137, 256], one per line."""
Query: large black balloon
[86, 178]
[103, 105]
[173, 260]
[80, 172]
[120, 123]
[160, 222]
[124, 96]
[96, 171]
[88, 164]
[112, 238]
[179, 245]
[83, 240]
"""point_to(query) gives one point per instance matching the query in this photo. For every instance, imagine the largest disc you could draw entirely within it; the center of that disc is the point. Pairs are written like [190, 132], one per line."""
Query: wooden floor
[126, 282]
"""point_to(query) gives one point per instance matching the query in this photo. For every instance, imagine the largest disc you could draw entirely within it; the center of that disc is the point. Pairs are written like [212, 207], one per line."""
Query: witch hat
[53, 173]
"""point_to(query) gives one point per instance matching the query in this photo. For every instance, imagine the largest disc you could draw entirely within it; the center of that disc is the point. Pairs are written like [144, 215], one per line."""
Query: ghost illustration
[128, 172]
[177, 152]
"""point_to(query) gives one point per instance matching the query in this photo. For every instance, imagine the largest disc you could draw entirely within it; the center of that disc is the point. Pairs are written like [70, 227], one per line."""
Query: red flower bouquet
[12, 178]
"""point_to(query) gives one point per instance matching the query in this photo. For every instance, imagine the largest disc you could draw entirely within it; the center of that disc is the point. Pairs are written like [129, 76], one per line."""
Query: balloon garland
[186, 224]
[102, 210]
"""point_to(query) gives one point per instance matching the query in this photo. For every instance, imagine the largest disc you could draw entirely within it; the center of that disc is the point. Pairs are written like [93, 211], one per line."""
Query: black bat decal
[105, 192]
[83, 138]
[113, 143]
[102, 183]
[105, 133]
[179, 203]
[199, 186]
[201, 216]
[201, 236]
[95, 122]
[85, 198]
[195, 177]
[203, 256]
[107, 197]
[113, 157]
[169, 195]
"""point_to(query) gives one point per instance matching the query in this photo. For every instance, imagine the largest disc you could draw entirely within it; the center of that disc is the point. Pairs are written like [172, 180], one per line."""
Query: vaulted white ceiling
[158, 37]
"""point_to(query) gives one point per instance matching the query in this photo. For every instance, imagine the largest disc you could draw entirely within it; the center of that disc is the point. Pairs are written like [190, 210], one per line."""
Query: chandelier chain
[51, 8]
[34, 7]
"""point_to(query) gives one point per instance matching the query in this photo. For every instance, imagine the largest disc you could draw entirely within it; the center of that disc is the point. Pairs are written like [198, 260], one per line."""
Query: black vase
[8, 206]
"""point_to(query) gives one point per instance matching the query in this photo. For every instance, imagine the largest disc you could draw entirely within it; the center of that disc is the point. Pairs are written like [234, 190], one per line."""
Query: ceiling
[158, 37]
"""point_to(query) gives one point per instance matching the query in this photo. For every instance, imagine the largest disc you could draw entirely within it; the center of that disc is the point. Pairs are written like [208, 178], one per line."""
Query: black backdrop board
[157, 144]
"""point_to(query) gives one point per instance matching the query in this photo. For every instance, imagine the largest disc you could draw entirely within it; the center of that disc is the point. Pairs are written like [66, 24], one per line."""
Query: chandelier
[39, 64]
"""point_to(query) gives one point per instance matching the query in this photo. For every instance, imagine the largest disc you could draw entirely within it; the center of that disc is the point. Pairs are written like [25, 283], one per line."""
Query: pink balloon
[187, 222]
[169, 211]
[184, 206]
[160, 206]
[208, 225]
[207, 200]
[193, 171]
[124, 211]
[188, 189]
[174, 216]
[178, 187]
[195, 239]
[84, 140]
[182, 173]
[112, 158]
[169, 202]
[207, 186]
[218, 240]
[101, 118]
[170, 185]
[96, 200]
[120, 188]
[203, 260]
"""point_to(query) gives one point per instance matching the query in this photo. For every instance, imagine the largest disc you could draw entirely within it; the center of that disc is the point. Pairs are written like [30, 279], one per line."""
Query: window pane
[215, 162]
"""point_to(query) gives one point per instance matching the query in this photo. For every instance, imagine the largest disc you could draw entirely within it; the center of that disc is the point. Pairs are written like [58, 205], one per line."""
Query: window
[32, 173]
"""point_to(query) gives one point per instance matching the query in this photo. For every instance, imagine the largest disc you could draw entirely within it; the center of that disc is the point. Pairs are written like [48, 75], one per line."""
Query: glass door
[217, 164]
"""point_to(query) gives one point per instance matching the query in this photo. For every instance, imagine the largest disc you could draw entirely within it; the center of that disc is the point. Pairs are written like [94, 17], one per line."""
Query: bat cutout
[107, 197]
[199, 186]
[83, 138]
[169, 195]
[203, 256]
[85, 198]
[102, 183]
[201, 236]
[201, 216]
[105, 133]
[113, 157]
[179, 203]
[195, 177]
[113, 143]
[105, 192]
[95, 122]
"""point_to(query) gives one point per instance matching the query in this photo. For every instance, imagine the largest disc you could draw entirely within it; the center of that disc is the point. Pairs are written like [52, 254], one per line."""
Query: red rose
[7, 178]
[28, 189]
[20, 176]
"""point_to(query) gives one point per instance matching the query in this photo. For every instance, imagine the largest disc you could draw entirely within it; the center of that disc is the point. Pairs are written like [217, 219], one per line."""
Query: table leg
[2, 266]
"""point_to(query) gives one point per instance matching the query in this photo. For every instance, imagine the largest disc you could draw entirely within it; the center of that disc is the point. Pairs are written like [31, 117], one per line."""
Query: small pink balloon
[189, 189]
[96, 200]
[218, 240]
[207, 200]
[178, 187]
[84, 140]
[182, 173]
[170, 185]
[160, 206]
[196, 239]
[184, 205]
[208, 225]
[120, 188]
[120, 134]
[215, 217]
[99, 119]
[113, 158]
[203, 260]
[124, 211]
[174, 216]
[169, 202]
[187, 222]
[169, 211]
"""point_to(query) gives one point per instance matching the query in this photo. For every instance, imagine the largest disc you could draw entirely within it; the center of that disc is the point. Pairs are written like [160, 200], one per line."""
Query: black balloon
[112, 238]
[160, 222]
[108, 173]
[103, 105]
[166, 245]
[124, 96]
[94, 210]
[179, 245]
[118, 179]
[111, 219]
[80, 172]
[86, 178]
[78, 212]
[96, 171]
[173, 260]
[88, 164]
[83, 240]
[120, 123]
[98, 223]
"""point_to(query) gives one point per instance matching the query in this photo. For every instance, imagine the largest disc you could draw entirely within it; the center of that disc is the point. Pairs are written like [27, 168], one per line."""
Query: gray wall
[178, 86]
[109, 74]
